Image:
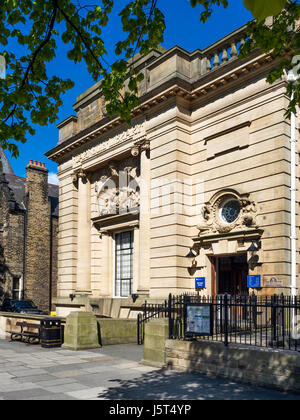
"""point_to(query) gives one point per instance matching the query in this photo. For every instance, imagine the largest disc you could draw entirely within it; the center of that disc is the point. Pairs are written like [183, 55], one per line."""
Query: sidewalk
[29, 372]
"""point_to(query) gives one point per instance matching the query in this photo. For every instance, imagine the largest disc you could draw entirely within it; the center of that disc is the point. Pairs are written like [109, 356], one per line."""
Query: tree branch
[71, 23]
[35, 54]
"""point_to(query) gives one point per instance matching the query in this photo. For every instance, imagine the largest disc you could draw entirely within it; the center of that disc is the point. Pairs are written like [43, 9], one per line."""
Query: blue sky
[183, 28]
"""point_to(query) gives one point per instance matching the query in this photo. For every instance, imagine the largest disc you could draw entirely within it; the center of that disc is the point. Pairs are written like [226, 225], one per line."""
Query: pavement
[30, 372]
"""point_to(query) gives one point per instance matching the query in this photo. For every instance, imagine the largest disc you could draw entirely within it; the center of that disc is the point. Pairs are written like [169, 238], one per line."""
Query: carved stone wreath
[217, 218]
[114, 197]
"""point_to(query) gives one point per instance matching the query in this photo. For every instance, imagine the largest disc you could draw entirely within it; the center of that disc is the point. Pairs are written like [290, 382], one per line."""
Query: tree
[281, 37]
[29, 96]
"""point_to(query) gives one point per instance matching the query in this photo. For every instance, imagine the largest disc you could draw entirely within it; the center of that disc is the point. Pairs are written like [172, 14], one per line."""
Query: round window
[230, 211]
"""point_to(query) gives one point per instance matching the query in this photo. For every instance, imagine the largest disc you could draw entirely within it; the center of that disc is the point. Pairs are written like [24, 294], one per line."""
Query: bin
[51, 333]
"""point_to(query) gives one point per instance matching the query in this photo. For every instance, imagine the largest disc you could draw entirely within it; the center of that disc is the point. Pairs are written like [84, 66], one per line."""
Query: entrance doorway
[230, 275]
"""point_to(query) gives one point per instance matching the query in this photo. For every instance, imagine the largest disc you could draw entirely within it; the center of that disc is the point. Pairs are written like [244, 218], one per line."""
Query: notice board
[198, 319]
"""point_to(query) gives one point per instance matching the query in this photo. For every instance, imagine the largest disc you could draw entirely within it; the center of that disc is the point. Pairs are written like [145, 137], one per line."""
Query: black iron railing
[150, 311]
[265, 321]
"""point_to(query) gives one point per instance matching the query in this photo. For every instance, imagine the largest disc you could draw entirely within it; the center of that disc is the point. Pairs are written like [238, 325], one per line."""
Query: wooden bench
[24, 334]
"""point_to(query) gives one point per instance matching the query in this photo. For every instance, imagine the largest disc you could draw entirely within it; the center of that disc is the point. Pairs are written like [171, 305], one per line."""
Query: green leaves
[28, 95]
[282, 38]
[208, 7]
[261, 9]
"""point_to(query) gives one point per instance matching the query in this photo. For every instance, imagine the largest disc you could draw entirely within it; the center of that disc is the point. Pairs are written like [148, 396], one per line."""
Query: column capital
[140, 146]
[82, 174]
[79, 174]
[145, 146]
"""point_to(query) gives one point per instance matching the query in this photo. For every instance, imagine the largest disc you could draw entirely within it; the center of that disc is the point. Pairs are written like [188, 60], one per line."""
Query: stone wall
[11, 240]
[118, 331]
[262, 367]
[109, 331]
[54, 262]
[12, 250]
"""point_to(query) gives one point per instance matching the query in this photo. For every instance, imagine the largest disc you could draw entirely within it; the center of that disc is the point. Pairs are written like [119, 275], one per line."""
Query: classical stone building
[28, 234]
[204, 169]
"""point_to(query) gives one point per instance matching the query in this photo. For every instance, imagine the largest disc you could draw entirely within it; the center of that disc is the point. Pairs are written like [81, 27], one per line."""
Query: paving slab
[108, 373]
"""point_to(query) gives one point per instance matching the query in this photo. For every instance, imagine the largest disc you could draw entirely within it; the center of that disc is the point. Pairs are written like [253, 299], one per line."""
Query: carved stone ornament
[79, 173]
[139, 146]
[133, 133]
[117, 189]
[227, 211]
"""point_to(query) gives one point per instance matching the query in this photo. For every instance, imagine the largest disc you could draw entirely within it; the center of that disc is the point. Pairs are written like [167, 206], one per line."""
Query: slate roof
[7, 169]
[17, 185]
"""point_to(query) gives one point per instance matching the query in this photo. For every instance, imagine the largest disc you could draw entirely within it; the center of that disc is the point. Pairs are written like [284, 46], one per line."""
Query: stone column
[107, 265]
[144, 230]
[136, 259]
[83, 283]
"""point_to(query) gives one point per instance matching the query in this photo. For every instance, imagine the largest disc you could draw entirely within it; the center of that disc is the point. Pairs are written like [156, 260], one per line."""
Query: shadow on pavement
[170, 385]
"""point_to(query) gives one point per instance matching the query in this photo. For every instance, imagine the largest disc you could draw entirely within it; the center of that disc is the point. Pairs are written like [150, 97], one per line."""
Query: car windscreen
[22, 304]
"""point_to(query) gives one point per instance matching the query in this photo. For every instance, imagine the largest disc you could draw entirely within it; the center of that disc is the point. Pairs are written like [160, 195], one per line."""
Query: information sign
[198, 319]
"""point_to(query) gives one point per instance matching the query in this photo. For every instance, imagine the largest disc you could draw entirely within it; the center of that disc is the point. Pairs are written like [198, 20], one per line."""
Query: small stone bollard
[81, 331]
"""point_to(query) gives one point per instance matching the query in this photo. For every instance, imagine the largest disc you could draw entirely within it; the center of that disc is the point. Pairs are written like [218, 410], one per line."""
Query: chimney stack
[37, 233]
[35, 163]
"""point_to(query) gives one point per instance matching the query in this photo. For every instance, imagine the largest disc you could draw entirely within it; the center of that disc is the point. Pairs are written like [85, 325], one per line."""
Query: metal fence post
[226, 320]
[274, 318]
[253, 305]
[138, 329]
[170, 315]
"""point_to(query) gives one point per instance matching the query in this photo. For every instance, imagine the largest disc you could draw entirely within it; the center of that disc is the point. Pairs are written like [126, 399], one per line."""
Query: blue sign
[254, 281]
[200, 283]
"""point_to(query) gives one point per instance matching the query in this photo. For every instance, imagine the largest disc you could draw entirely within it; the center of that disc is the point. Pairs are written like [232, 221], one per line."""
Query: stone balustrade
[225, 50]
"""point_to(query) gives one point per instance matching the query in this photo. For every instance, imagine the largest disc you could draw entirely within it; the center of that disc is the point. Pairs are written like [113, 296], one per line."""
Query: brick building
[28, 234]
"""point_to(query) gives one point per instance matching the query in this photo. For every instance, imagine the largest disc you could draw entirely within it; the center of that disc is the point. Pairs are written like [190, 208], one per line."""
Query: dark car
[20, 306]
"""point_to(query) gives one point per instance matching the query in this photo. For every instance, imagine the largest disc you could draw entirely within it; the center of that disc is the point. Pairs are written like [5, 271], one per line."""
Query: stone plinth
[81, 331]
[156, 334]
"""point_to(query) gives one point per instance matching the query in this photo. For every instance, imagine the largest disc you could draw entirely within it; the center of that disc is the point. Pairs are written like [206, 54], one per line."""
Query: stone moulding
[208, 83]
[107, 225]
[251, 234]
[133, 133]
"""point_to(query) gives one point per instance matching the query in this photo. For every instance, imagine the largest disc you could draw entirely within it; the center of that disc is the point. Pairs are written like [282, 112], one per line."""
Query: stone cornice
[128, 138]
[249, 234]
[114, 222]
[224, 76]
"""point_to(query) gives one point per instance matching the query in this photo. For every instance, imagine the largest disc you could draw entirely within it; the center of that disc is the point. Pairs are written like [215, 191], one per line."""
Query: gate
[151, 311]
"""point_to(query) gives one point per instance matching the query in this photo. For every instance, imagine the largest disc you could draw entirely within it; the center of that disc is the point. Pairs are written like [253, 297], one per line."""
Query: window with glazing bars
[123, 263]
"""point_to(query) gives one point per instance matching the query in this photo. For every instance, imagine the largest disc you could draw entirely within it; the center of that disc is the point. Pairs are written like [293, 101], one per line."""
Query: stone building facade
[205, 166]
[28, 234]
